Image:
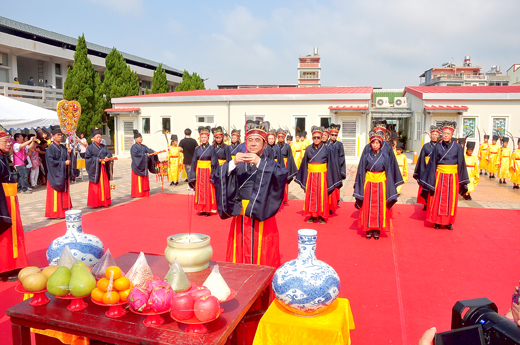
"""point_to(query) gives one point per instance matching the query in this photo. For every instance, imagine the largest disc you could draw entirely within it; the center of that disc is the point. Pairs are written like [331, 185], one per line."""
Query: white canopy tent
[15, 114]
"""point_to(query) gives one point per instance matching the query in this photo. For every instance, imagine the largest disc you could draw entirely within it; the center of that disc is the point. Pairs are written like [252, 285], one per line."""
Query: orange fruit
[111, 297]
[103, 284]
[122, 284]
[113, 271]
[124, 294]
[97, 295]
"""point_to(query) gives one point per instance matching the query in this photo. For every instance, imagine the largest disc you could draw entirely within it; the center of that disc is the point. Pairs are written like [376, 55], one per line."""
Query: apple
[206, 308]
[182, 306]
[199, 291]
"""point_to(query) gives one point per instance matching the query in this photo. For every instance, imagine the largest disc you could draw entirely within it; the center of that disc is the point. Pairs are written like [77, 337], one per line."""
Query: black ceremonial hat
[174, 137]
[95, 131]
[400, 145]
[462, 140]
[137, 134]
[486, 136]
[470, 145]
[505, 139]
[55, 129]
[495, 137]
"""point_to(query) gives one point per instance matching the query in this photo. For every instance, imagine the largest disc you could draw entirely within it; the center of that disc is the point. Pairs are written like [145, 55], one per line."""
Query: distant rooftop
[27, 31]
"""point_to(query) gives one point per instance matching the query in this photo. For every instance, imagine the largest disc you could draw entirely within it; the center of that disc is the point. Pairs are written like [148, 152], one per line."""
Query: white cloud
[125, 7]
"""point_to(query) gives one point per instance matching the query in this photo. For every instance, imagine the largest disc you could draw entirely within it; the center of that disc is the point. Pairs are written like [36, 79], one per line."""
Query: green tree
[80, 86]
[159, 81]
[120, 81]
[190, 82]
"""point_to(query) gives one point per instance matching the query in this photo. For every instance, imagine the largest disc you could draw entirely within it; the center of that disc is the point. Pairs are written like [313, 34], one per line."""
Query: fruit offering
[155, 296]
[78, 281]
[206, 308]
[112, 288]
[32, 279]
[66, 258]
[217, 285]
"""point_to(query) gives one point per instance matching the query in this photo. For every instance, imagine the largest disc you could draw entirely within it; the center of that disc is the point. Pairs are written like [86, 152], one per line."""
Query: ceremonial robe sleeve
[341, 160]
[420, 167]
[461, 167]
[194, 161]
[228, 150]
[301, 176]
[291, 165]
[397, 176]
[268, 190]
[92, 164]
[226, 191]
[359, 184]
[268, 152]
[5, 216]
[428, 179]
[139, 160]
[56, 168]
[391, 190]
[333, 175]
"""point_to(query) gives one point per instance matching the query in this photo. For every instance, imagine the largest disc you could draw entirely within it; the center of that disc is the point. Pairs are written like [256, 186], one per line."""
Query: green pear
[82, 282]
[58, 283]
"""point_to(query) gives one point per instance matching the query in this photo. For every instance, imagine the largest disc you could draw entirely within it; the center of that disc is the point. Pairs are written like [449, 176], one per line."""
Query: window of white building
[146, 126]
[166, 125]
[205, 120]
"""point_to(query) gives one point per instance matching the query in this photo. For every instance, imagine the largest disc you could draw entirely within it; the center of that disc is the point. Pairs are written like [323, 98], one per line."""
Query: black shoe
[201, 213]
[172, 183]
[436, 226]
[185, 180]
[485, 173]
[376, 234]
[321, 220]
[449, 227]
[469, 197]
[330, 211]
[500, 181]
[424, 208]
[504, 182]
[311, 220]
[369, 235]
[480, 173]
[207, 214]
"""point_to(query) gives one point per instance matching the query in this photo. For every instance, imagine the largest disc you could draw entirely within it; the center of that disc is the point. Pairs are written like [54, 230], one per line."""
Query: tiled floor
[489, 194]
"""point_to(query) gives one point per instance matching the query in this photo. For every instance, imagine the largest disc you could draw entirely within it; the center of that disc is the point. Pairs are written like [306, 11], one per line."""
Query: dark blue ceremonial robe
[285, 151]
[5, 177]
[319, 155]
[57, 172]
[93, 166]
[421, 169]
[338, 152]
[203, 153]
[222, 152]
[233, 149]
[378, 163]
[397, 176]
[141, 163]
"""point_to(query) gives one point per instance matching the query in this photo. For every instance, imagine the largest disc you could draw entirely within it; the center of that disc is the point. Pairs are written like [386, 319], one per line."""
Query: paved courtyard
[489, 194]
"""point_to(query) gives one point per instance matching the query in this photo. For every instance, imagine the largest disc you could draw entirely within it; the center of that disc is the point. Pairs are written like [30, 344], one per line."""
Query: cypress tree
[80, 86]
[159, 81]
[190, 82]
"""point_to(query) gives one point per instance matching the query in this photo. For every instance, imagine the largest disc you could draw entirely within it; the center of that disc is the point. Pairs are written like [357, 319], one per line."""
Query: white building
[282, 107]
[486, 109]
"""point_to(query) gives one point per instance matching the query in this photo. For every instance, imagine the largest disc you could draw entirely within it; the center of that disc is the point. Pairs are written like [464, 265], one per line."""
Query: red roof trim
[122, 110]
[265, 91]
[445, 107]
[419, 91]
[352, 107]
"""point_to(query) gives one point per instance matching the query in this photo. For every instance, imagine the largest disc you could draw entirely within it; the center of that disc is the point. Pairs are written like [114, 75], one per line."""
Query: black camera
[476, 321]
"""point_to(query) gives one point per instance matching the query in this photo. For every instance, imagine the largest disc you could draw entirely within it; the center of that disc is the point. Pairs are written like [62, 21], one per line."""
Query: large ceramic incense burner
[193, 251]
[306, 286]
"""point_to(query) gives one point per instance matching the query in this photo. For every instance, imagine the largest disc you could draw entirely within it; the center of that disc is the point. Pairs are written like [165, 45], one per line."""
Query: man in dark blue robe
[98, 171]
[286, 159]
[143, 161]
[421, 168]
[250, 189]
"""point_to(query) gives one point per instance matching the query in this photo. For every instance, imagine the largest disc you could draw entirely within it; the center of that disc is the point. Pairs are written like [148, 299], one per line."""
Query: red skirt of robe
[253, 242]
[374, 215]
[442, 207]
[99, 193]
[316, 196]
[140, 186]
[57, 202]
[12, 241]
[205, 200]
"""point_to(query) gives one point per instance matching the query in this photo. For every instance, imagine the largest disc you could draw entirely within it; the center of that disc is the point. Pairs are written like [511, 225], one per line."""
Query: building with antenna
[450, 74]
[309, 70]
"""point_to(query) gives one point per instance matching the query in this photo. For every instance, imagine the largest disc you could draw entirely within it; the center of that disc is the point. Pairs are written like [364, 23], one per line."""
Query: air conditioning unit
[382, 102]
[400, 102]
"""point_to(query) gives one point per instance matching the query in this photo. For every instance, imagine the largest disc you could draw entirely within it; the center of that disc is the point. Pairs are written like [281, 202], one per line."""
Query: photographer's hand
[427, 337]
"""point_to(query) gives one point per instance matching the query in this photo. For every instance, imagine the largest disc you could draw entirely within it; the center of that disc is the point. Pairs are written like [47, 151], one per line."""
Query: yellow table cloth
[280, 326]
[80, 163]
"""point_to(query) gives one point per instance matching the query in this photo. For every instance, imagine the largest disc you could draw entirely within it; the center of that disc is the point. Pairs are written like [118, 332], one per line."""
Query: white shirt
[232, 165]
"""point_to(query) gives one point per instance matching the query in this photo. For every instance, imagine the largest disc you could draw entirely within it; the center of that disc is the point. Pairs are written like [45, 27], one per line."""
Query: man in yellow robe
[483, 155]
[504, 160]
[403, 164]
[298, 150]
[515, 167]
[492, 160]
[472, 166]
[175, 159]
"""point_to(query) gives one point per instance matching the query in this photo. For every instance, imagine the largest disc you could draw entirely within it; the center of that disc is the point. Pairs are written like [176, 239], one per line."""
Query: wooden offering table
[251, 282]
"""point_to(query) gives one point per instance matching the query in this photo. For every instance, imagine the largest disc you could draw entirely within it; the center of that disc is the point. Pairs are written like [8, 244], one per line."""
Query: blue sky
[362, 43]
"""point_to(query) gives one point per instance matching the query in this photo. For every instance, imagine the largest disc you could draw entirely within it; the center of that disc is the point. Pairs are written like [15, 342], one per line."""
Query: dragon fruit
[150, 285]
[138, 299]
[161, 299]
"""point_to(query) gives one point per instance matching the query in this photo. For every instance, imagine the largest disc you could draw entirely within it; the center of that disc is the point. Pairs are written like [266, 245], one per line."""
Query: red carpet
[398, 287]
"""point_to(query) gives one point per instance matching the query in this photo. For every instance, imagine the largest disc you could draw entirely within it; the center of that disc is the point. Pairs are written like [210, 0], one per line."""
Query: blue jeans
[23, 181]
[187, 167]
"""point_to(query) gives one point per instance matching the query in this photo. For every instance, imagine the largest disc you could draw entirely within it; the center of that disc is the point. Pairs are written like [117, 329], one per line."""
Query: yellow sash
[427, 160]
[221, 161]
[317, 167]
[204, 164]
[447, 169]
[11, 190]
[375, 177]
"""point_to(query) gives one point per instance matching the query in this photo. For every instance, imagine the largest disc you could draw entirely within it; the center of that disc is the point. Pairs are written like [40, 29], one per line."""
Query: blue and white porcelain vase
[306, 286]
[84, 247]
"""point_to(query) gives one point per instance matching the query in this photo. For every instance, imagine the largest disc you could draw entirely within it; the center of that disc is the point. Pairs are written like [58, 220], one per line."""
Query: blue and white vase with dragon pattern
[306, 286]
[84, 247]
